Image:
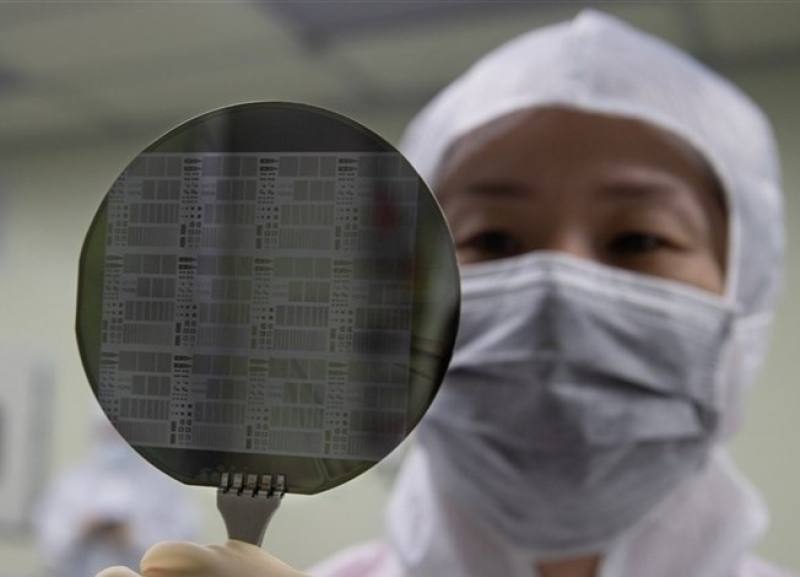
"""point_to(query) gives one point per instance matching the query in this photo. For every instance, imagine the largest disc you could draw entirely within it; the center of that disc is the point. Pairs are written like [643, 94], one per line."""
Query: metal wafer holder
[247, 502]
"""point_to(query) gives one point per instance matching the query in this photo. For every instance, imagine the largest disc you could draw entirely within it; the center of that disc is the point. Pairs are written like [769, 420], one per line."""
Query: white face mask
[577, 398]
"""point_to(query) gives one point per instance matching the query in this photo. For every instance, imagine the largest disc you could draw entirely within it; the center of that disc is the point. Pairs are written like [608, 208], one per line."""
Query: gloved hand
[233, 559]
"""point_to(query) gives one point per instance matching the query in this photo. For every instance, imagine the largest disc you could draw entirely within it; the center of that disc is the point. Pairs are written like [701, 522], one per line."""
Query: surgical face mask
[577, 398]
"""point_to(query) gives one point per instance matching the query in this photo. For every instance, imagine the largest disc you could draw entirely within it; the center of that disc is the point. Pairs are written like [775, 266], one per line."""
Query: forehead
[559, 143]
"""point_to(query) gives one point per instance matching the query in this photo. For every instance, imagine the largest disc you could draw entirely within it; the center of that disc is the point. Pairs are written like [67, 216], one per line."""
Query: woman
[617, 215]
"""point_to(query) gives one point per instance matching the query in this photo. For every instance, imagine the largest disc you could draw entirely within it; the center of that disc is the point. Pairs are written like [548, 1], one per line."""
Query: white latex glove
[233, 559]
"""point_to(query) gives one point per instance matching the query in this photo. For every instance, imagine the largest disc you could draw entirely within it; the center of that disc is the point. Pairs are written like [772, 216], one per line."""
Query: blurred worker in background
[617, 214]
[109, 509]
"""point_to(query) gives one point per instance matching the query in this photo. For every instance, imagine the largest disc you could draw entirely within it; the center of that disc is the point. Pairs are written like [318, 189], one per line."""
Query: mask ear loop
[724, 369]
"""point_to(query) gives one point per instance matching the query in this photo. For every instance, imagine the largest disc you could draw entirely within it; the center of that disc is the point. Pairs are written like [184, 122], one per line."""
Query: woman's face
[616, 191]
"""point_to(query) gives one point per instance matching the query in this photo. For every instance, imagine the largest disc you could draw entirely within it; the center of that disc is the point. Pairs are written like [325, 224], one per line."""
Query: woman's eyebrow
[673, 195]
[499, 187]
[645, 182]
[487, 190]
[633, 190]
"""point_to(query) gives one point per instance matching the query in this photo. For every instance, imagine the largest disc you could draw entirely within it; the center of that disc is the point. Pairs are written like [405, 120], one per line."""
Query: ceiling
[88, 72]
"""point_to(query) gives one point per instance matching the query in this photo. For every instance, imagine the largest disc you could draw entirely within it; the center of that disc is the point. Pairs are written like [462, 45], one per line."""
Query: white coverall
[109, 509]
[706, 527]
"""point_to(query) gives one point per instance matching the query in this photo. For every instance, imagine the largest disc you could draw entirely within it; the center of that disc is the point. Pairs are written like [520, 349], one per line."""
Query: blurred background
[84, 86]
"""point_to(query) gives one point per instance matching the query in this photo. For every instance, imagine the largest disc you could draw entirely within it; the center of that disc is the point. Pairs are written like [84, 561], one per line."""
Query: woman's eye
[637, 242]
[494, 243]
